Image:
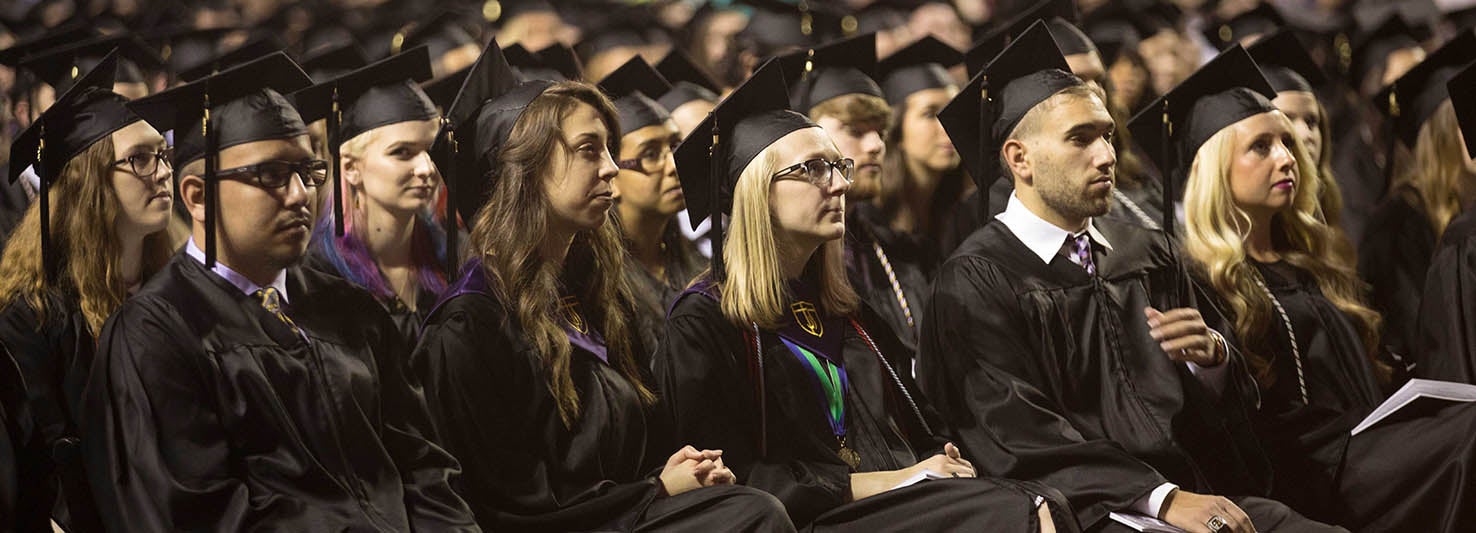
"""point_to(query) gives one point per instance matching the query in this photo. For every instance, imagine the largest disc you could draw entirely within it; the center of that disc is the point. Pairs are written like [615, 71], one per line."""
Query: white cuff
[1152, 503]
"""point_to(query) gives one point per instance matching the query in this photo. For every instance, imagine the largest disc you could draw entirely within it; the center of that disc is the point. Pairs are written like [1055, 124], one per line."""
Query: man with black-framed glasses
[236, 390]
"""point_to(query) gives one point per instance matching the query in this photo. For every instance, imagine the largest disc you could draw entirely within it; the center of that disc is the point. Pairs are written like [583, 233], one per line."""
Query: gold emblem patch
[808, 318]
[570, 306]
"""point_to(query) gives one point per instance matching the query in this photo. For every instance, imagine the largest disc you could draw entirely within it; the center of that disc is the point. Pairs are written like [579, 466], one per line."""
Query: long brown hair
[1436, 176]
[1215, 241]
[508, 231]
[84, 211]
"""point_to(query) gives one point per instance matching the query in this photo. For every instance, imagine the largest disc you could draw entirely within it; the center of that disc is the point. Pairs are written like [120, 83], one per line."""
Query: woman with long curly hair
[772, 356]
[108, 203]
[1256, 238]
[391, 244]
[533, 372]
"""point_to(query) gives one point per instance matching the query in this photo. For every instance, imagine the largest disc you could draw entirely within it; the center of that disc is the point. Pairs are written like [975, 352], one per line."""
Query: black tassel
[211, 203]
[48, 256]
[1170, 170]
[982, 180]
[715, 174]
[334, 119]
[1392, 139]
[452, 229]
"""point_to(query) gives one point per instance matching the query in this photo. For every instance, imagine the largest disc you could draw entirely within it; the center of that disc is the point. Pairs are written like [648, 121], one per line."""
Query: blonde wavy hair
[1436, 177]
[755, 290]
[1215, 242]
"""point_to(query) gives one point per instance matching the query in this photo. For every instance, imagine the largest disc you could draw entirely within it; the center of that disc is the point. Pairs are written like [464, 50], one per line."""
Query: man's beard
[1066, 197]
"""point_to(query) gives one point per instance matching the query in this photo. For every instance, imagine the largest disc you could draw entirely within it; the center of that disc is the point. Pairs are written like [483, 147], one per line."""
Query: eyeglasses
[277, 174]
[818, 171]
[146, 164]
[650, 161]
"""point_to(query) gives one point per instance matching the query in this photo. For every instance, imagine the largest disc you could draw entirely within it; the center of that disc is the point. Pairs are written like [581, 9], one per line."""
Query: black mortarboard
[835, 69]
[442, 90]
[563, 60]
[239, 105]
[634, 88]
[1412, 98]
[1371, 47]
[622, 27]
[776, 26]
[188, 47]
[478, 123]
[1262, 19]
[86, 113]
[1060, 17]
[920, 66]
[383, 93]
[1118, 27]
[1286, 63]
[59, 36]
[884, 15]
[712, 157]
[688, 81]
[1171, 129]
[333, 61]
[1462, 89]
[555, 63]
[442, 32]
[979, 119]
[61, 65]
[251, 50]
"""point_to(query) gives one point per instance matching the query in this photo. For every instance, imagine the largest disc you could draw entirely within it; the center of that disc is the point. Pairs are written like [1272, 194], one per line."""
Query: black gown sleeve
[157, 463]
[985, 379]
[1448, 315]
[707, 389]
[482, 392]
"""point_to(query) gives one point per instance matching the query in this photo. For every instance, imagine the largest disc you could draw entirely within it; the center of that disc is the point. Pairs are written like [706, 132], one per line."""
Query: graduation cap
[183, 48]
[239, 105]
[1171, 129]
[711, 158]
[61, 65]
[59, 36]
[251, 50]
[775, 25]
[1059, 16]
[499, 12]
[1411, 99]
[1263, 19]
[920, 66]
[563, 60]
[477, 123]
[836, 69]
[383, 93]
[442, 32]
[984, 113]
[333, 61]
[1462, 89]
[442, 90]
[884, 15]
[624, 27]
[1371, 47]
[1117, 28]
[86, 113]
[634, 88]
[1286, 63]
[688, 81]
[555, 63]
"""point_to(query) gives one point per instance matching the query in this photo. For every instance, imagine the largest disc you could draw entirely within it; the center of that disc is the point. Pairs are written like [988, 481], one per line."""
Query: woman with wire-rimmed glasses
[108, 186]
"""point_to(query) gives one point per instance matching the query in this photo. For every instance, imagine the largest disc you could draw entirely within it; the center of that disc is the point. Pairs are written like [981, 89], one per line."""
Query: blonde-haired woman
[532, 370]
[109, 201]
[770, 357]
[391, 244]
[1256, 239]
[1429, 189]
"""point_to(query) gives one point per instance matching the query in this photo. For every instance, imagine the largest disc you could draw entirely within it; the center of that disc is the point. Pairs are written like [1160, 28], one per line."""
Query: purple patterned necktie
[1081, 246]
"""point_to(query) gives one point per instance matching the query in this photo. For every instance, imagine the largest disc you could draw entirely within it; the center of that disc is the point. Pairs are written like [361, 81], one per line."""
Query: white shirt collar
[235, 278]
[1041, 237]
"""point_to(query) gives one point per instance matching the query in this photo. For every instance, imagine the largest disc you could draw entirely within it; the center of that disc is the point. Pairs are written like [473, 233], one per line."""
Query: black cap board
[61, 65]
[555, 63]
[1060, 17]
[183, 48]
[59, 36]
[1260, 20]
[634, 88]
[984, 113]
[712, 157]
[688, 81]
[1462, 89]
[1286, 63]
[562, 60]
[1372, 46]
[442, 90]
[333, 61]
[776, 26]
[377, 95]
[1412, 98]
[86, 113]
[239, 105]
[920, 66]
[835, 69]
[251, 50]
[441, 33]
[1171, 129]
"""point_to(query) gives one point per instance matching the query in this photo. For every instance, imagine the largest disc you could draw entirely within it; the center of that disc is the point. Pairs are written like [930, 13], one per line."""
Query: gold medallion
[849, 456]
[808, 318]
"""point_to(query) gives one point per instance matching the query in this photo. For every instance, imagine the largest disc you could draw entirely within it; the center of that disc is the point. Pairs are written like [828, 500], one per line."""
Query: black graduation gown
[653, 296]
[523, 470]
[913, 259]
[1406, 474]
[1393, 257]
[1447, 349]
[407, 321]
[704, 368]
[54, 359]
[1049, 374]
[1356, 166]
[16, 514]
[206, 412]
